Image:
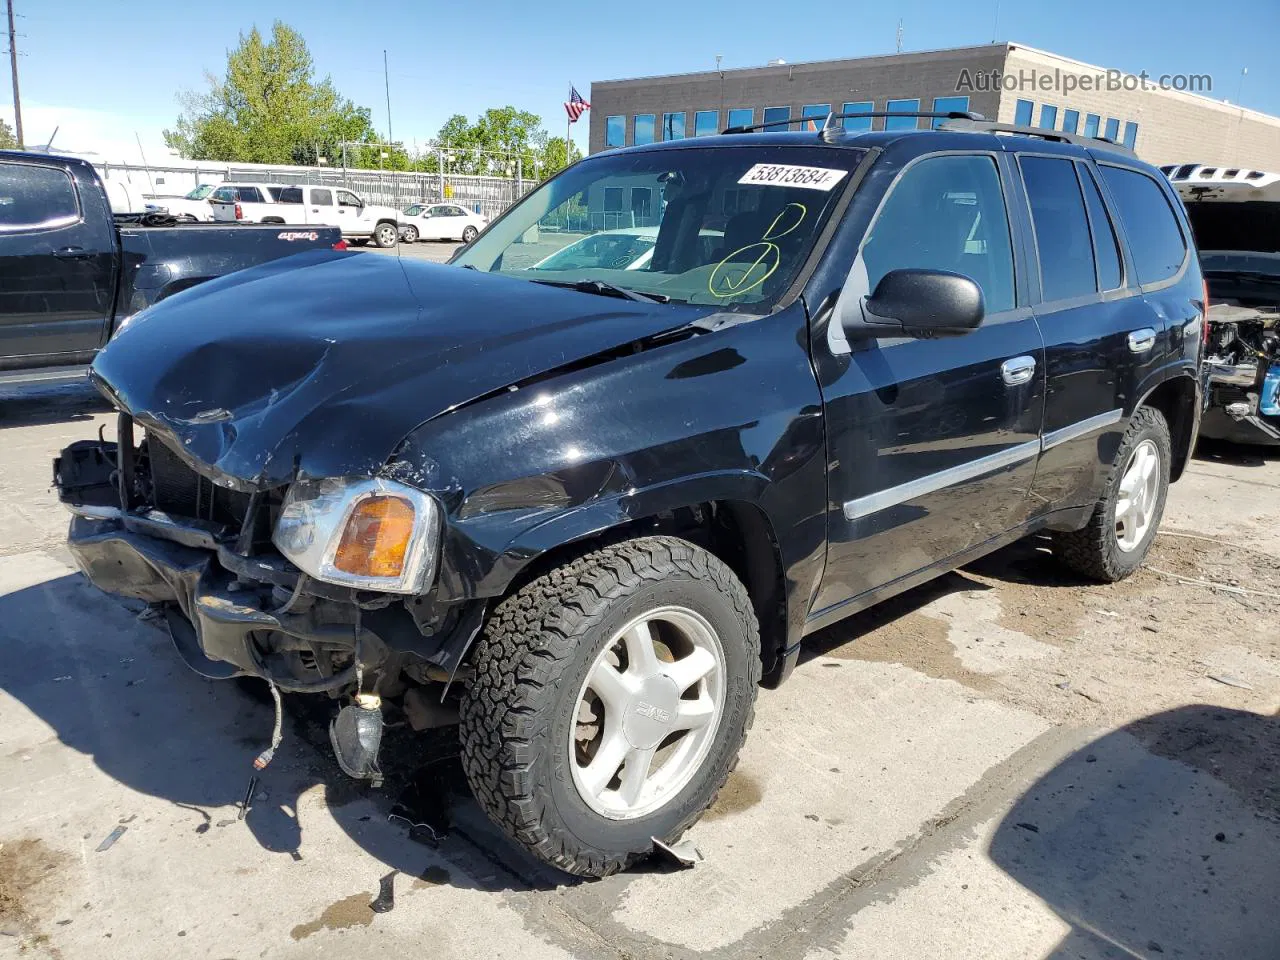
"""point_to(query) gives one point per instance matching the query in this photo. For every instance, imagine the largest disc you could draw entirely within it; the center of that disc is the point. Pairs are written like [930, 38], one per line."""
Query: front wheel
[469, 234]
[410, 234]
[1119, 534]
[385, 235]
[611, 698]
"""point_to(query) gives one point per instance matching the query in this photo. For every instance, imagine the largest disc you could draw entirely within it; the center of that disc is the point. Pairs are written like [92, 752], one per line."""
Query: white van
[320, 206]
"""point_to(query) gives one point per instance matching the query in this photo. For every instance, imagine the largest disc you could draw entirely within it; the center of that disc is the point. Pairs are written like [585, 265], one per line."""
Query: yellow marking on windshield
[730, 276]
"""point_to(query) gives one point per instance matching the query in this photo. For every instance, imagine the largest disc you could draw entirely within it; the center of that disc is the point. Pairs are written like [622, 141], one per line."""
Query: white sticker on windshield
[786, 175]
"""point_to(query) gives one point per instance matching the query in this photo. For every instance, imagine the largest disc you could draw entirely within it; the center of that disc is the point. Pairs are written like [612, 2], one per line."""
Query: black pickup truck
[71, 272]
[583, 506]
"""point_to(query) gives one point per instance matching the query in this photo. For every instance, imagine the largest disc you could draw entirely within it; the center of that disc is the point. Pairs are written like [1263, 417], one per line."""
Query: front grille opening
[177, 489]
[168, 484]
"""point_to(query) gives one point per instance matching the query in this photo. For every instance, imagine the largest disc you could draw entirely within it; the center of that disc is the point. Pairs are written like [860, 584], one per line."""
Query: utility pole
[899, 36]
[13, 65]
[386, 79]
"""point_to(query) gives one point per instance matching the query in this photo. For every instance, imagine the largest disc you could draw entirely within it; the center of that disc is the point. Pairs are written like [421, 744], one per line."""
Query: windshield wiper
[605, 289]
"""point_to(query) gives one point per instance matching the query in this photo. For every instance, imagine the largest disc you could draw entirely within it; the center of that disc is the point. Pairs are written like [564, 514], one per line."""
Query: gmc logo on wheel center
[652, 712]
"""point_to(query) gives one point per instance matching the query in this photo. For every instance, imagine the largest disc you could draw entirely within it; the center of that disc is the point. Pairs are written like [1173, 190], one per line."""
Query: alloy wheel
[647, 713]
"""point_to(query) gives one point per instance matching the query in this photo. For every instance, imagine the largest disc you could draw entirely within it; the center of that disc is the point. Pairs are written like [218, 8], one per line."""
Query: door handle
[1018, 371]
[1140, 341]
[72, 253]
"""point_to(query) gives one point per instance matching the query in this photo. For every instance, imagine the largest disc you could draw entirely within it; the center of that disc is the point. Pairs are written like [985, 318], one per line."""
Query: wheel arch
[729, 522]
[1178, 400]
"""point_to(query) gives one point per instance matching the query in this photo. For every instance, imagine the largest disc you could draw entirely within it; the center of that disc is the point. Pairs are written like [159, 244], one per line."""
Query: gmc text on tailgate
[71, 273]
[584, 508]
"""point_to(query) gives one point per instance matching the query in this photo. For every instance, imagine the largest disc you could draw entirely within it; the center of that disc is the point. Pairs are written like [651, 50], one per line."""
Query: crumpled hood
[321, 363]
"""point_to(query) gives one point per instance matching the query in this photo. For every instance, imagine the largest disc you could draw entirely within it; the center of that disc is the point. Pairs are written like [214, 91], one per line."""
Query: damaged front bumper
[235, 606]
[221, 625]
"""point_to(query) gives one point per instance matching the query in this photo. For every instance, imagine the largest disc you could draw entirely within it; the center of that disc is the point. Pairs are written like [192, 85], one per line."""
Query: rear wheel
[611, 698]
[410, 234]
[1119, 534]
[385, 235]
[469, 234]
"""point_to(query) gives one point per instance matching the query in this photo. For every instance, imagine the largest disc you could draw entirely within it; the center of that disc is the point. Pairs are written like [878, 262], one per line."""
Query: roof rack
[1061, 136]
[827, 122]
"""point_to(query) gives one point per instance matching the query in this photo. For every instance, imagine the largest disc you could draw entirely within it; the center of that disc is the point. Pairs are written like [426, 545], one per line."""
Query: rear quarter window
[33, 197]
[1155, 237]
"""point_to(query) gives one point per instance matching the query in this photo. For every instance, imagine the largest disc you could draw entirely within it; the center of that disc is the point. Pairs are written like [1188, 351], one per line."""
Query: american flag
[575, 106]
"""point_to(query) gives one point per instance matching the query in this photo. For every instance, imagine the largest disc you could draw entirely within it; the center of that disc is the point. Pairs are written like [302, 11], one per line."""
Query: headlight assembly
[367, 533]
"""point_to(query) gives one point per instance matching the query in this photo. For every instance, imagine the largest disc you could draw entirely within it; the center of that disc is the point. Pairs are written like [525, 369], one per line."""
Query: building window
[1070, 121]
[1113, 128]
[902, 123]
[813, 113]
[1091, 121]
[641, 205]
[642, 128]
[1130, 134]
[948, 105]
[774, 114]
[706, 122]
[857, 124]
[1048, 117]
[1022, 111]
[615, 131]
[613, 199]
[673, 126]
[742, 117]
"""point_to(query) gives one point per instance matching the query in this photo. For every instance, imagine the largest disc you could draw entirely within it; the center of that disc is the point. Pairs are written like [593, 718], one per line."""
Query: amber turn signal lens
[376, 538]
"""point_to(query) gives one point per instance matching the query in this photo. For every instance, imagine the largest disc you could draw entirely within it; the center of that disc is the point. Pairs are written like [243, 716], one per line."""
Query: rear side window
[290, 195]
[322, 198]
[1106, 248]
[946, 213]
[1155, 239]
[36, 198]
[1062, 228]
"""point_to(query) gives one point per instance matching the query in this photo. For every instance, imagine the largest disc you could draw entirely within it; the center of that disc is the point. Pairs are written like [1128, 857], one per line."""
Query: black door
[932, 444]
[57, 268]
[1103, 340]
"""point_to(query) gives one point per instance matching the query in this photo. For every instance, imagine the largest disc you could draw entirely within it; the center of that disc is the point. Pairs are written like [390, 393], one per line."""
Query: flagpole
[568, 127]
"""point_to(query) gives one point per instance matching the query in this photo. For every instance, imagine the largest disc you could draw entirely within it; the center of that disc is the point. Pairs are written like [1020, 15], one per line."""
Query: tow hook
[356, 735]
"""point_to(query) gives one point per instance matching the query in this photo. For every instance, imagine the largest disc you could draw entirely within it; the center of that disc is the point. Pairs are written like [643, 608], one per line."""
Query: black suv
[684, 405]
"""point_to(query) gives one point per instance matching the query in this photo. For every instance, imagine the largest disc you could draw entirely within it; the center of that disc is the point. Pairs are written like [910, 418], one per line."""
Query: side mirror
[917, 303]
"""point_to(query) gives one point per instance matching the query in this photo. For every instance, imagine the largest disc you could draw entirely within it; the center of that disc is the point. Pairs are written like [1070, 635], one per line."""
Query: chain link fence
[484, 194]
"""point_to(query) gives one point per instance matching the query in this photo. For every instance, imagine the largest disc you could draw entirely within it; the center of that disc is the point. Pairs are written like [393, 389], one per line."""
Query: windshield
[201, 192]
[728, 226]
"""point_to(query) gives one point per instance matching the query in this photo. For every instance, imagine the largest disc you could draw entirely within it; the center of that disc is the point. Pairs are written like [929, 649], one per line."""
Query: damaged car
[584, 513]
[1235, 215]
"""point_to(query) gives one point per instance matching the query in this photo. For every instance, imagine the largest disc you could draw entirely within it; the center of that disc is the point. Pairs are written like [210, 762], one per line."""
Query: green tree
[268, 108]
[7, 140]
[493, 144]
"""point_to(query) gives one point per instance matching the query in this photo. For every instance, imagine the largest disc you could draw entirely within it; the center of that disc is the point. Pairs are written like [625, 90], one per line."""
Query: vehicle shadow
[115, 690]
[32, 406]
[1235, 454]
[1159, 838]
[1028, 561]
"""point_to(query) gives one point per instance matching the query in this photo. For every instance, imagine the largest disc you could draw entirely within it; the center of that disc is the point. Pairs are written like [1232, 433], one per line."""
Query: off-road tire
[1093, 551]
[384, 237]
[530, 662]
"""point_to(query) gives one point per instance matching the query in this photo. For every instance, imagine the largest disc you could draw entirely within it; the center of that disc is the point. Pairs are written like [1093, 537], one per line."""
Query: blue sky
[105, 69]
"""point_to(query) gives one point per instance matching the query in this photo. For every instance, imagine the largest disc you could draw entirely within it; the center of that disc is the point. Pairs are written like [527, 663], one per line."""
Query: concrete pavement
[1006, 763]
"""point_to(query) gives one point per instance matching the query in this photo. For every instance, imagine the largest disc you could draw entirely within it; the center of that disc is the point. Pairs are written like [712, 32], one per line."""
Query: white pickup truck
[317, 206]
